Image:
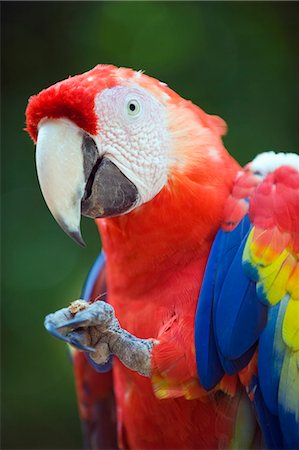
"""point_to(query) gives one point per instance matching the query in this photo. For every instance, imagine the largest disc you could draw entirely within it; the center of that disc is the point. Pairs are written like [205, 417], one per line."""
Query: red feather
[72, 98]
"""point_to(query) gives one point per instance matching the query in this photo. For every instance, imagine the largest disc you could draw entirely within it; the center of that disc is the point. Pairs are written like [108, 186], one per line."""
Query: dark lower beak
[108, 192]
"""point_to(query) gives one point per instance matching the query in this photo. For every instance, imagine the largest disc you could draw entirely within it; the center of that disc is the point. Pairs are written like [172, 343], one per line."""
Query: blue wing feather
[233, 366]
[209, 366]
[228, 247]
[271, 353]
[91, 279]
[239, 315]
[94, 273]
[230, 319]
[269, 423]
[249, 301]
[212, 361]
[288, 401]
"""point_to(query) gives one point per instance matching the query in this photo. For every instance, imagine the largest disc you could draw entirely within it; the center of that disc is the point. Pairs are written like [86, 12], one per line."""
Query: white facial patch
[133, 135]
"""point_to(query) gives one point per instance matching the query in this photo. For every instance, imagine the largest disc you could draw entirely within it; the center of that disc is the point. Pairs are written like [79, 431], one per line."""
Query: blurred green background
[237, 60]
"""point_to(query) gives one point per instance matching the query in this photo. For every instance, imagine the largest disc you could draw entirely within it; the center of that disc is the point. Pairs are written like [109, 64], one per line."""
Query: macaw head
[109, 140]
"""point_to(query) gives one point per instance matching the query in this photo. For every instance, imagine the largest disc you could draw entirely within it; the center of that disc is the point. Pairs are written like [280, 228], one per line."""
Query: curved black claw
[52, 328]
[73, 323]
[53, 331]
[76, 343]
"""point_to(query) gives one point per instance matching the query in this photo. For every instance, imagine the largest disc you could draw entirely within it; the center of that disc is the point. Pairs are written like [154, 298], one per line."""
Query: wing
[94, 383]
[249, 302]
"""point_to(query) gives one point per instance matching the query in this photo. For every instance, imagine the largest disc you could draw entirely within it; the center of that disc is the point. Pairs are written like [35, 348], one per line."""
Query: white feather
[267, 162]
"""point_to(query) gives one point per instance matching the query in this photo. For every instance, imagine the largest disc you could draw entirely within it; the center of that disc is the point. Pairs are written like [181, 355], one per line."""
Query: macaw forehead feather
[74, 97]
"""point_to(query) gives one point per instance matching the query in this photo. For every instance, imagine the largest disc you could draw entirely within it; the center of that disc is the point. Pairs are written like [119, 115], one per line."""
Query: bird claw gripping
[93, 328]
[83, 326]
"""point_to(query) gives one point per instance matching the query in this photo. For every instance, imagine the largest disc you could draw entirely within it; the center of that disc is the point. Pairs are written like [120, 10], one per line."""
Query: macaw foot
[94, 328]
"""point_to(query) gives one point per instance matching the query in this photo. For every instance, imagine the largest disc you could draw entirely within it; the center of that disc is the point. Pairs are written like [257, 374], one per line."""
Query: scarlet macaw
[200, 270]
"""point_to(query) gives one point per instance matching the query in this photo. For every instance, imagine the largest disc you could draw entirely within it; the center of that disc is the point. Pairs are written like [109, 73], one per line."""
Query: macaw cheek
[108, 191]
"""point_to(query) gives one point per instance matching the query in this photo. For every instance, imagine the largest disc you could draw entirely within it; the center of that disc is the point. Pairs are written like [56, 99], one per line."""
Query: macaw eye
[133, 107]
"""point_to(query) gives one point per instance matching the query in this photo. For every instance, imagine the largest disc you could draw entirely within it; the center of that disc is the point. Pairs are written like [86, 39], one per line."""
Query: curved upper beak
[75, 178]
[60, 170]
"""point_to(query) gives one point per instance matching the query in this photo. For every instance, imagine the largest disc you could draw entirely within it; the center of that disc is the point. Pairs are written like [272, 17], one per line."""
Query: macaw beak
[75, 179]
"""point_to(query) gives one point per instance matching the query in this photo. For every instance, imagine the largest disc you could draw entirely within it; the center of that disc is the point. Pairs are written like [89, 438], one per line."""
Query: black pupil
[132, 107]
